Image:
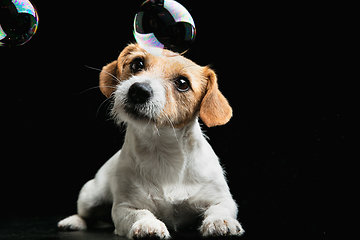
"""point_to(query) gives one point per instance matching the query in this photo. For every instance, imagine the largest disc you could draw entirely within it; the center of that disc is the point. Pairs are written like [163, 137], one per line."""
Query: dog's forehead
[173, 64]
[175, 61]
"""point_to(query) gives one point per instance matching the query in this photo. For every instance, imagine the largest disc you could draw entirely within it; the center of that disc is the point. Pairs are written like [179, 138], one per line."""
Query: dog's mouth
[136, 112]
[138, 104]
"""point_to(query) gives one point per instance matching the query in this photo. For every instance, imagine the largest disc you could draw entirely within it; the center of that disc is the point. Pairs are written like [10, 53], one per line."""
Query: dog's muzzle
[138, 96]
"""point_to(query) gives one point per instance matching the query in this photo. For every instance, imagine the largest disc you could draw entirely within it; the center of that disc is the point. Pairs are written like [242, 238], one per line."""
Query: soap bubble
[18, 22]
[162, 25]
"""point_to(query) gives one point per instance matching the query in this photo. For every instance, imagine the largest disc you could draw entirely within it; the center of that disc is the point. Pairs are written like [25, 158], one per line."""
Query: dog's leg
[94, 200]
[91, 204]
[220, 220]
[137, 223]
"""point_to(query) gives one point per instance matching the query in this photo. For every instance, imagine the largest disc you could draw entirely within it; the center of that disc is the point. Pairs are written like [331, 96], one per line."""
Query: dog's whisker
[147, 124]
[97, 112]
[100, 70]
[96, 88]
[157, 130]
[172, 125]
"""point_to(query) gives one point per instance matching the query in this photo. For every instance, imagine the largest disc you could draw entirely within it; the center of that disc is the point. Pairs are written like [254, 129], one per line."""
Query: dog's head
[166, 91]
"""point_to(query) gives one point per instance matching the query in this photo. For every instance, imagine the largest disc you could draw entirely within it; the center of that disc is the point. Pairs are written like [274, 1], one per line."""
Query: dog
[166, 175]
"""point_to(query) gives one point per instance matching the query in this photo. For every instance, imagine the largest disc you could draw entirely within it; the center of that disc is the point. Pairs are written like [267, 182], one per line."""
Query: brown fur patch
[215, 109]
[203, 96]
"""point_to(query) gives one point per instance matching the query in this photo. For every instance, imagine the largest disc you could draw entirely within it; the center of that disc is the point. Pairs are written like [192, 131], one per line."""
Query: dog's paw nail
[149, 228]
[217, 227]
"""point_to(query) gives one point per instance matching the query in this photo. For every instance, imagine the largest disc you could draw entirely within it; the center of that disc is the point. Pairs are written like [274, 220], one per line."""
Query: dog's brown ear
[214, 109]
[108, 78]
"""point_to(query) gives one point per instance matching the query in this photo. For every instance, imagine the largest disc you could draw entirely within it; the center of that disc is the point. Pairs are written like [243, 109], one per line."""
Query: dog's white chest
[174, 206]
[176, 194]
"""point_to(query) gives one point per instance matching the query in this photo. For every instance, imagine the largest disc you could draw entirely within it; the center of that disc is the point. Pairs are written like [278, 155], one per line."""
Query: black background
[280, 150]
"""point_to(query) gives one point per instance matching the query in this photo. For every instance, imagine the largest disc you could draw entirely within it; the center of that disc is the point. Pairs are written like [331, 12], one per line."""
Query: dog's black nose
[140, 92]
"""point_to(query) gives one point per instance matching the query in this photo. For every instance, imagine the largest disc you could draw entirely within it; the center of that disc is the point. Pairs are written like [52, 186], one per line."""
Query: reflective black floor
[38, 228]
[44, 228]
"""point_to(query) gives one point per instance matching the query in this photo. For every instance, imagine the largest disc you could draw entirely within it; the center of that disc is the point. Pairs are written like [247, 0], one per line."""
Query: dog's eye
[182, 84]
[137, 65]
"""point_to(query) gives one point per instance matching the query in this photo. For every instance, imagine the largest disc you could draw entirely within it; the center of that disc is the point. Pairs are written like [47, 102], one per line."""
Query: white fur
[162, 178]
[152, 108]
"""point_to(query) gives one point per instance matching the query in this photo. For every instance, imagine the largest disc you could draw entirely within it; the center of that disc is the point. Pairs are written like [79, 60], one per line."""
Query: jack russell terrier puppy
[166, 174]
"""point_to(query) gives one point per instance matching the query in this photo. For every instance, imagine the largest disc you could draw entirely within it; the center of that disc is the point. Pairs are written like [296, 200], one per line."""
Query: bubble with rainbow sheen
[18, 22]
[162, 25]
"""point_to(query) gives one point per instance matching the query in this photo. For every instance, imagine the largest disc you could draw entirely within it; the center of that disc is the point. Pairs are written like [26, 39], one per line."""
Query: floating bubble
[18, 22]
[162, 25]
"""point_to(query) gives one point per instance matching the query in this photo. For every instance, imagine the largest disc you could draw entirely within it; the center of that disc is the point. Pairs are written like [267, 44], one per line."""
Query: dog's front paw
[74, 222]
[149, 227]
[221, 227]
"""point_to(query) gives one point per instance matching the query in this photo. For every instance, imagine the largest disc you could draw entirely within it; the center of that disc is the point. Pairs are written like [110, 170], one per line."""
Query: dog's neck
[163, 152]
